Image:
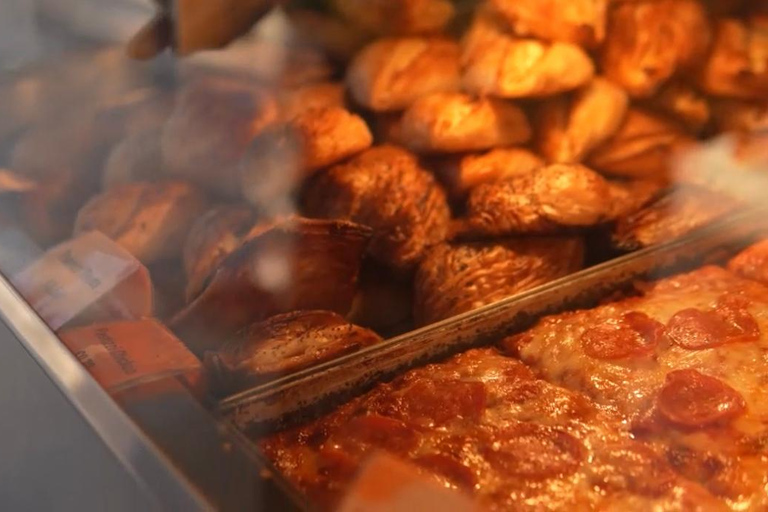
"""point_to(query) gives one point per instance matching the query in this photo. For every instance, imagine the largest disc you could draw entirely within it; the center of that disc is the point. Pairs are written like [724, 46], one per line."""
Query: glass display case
[363, 254]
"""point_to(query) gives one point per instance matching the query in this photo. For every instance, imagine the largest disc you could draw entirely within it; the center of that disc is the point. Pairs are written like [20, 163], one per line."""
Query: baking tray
[306, 394]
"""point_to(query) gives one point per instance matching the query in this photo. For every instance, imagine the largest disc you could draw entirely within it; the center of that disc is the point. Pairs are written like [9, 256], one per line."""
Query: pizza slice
[685, 363]
[483, 423]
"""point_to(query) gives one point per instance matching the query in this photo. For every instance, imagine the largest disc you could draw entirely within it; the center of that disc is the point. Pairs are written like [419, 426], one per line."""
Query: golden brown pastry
[642, 148]
[391, 73]
[210, 129]
[282, 156]
[545, 201]
[149, 220]
[498, 64]
[397, 17]
[569, 128]
[311, 96]
[579, 22]
[455, 122]
[284, 344]
[386, 189]
[459, 277]
[671, 217]
[649, 41]
[683, 103]
[212, 237]
[297, 264]
[738, 63]
[629, 196]
[734, 115]
[460, 174]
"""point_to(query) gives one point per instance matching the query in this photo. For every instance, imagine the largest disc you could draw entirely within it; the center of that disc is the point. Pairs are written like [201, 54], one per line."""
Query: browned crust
[284, 344]
[296, 264]
[386, 189]
[456, 278]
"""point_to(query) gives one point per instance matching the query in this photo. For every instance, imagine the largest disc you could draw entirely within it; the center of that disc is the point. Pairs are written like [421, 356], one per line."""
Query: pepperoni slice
[441, 401]
[692, 399]
[533, 451]
[636, 334]
[635, 467]
[695, 329]
[729, 322]
[382, 432]
[741, 325]
[449, 468]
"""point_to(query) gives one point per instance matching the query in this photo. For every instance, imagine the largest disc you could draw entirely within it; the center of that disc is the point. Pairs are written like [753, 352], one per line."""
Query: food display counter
[341, 255]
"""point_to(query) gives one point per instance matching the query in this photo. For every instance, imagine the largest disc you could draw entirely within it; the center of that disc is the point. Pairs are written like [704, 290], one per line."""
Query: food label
[89, 278]
[125, 353]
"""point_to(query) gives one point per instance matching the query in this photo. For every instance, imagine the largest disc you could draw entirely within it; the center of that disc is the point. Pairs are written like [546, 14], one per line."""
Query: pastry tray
[307, 394]
[302, 395]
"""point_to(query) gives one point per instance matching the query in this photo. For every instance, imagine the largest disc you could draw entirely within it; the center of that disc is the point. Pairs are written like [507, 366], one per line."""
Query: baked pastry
[212, 237]
[149, 220]
[391, 73]
[295, 264]
[568, 129]
[643, 147]
[212, 124]
[671, 216]
[455, 122]
[454, 278]
[384, 188]
[284, 344]
[581, 22]
[297, 101]
[280, 158]
[737, 66]
[497, 63]
[649, 41]
[459, 174]
[549, 199]
[684, 103]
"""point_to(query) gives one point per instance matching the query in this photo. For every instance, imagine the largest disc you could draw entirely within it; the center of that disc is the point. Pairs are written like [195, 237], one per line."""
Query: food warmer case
[378, 255]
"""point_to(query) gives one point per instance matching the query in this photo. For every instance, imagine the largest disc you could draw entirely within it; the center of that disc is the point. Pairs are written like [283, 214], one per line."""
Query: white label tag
[73, 276]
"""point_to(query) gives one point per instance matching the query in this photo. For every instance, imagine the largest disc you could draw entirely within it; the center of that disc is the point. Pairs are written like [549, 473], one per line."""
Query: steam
[734, 164]
[74, 104]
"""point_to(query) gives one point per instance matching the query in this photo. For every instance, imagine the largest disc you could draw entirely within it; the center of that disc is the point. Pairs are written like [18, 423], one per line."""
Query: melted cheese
[483, 423]
[731, 459]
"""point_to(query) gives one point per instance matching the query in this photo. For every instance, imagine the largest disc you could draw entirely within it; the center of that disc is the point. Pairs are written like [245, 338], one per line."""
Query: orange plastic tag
[386, 483]
[126, 353]
[87, 279]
